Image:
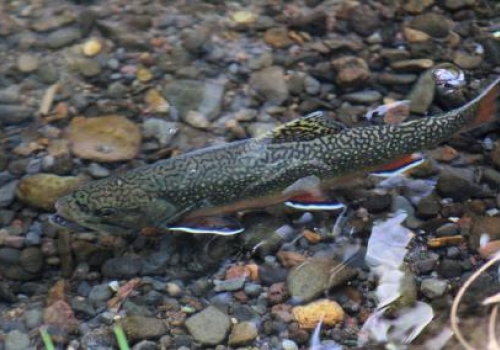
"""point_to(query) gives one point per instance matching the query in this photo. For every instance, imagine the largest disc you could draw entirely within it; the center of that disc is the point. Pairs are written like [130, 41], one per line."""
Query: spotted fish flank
[191, 192]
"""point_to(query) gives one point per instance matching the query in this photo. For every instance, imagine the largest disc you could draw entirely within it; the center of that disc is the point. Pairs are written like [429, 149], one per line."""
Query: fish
[197, 191]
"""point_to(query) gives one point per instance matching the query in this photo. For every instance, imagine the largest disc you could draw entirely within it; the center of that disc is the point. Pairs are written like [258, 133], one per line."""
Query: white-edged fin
[209, 225]
[312, 206]
[400, 166]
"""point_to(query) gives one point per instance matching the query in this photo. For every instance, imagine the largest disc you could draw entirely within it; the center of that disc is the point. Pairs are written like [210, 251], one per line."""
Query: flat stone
[351, 71]
[436, 25]
[433, 288]
[270, 84]
[27, 63]
[209, 327]
[243, 333]
[63, 37]
[16, 340]
[422, 93]
[140, 327]
[12, 114]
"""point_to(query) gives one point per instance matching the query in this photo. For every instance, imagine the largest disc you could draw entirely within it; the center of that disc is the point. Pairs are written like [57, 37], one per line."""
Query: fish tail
[488, 107]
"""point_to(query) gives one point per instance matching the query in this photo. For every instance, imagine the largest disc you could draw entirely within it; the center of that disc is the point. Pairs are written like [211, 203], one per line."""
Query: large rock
[270, 84]
[209, 327]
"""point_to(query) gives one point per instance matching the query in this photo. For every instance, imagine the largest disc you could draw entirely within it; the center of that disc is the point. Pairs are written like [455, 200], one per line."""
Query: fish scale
[256, 172]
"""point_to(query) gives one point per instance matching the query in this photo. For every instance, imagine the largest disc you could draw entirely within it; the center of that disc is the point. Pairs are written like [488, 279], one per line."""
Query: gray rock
[428, 207]
[88, 67]
[364, 97]
[33, 318]
[63, 37]
[97, 171]
[450, 185]
[311, 85]
[258, 129]
[27, 63]
[197, 120]
[145, 345]
[229, 285]
[252, 289]
[449, 268]
[16, 340]
[433, 288]
[191, 95]
[454, 5]
[123, 267]
[422, 93]
[48, 73]
[7, 193]
[387, 78]
[161, 130]
[9, 256]
[31, 259]
[436, 25]
[12, 114]
[315, 276]
[99, 295]
[243, 333]
[448, 229]
[270, 84]
[209, 327]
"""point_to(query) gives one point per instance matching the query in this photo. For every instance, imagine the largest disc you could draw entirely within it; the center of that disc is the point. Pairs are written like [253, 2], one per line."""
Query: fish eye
[106, 212]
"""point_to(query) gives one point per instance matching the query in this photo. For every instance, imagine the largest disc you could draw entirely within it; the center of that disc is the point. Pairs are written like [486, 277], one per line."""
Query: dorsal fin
[306, 128]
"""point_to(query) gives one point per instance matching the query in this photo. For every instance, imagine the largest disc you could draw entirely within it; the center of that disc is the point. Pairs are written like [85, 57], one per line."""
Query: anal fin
[216, 225]
[311, 202]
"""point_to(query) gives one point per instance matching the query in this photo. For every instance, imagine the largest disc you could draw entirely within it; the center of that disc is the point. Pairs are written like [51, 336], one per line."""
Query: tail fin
[488, 104]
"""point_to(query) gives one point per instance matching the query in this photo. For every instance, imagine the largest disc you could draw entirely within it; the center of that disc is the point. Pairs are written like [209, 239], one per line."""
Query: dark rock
[270, 84]
[31, 259]
[122, 267]
[433, 288]
[314, 23]
[140, 328]
[364, 20]
[63, 37]
[449, 268]
[450, 185]
[12, 114]
[434, 24]
[351, 71]
[428, 207]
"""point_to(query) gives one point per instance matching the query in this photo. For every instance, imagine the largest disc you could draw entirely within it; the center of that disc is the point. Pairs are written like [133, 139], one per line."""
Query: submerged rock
[209, 327]
[328, 311]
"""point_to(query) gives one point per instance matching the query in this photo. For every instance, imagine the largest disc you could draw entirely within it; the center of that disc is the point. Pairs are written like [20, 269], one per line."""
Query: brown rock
[436, 25]
[351, 71]
[243, 334]
[277, 37]
[108, 138]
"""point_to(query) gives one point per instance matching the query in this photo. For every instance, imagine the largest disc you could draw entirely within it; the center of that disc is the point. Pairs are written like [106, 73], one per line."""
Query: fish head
[112, 206]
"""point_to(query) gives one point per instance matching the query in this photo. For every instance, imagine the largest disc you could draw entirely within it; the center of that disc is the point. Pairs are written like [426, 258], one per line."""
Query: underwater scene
[251, 175]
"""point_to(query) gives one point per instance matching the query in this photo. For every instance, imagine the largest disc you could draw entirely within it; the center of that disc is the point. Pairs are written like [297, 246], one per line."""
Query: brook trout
[192, 192]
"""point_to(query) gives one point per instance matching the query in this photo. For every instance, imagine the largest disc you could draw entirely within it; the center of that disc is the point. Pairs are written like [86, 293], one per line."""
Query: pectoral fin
[400, 165]
[216, 225]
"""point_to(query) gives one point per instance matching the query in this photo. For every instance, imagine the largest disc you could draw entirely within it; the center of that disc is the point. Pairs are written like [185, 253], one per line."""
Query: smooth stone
[433, 288]
[63, 37]
[449, 229]
[449, 268]
[197, 120]
[27, 63]
[122, 267]
[428, 207]
[47, 73]
[422, 93]
[31, 259]
[454, 5]
[88, 67]
[9, 256]
[12, 114]
[16, 340]
[415, 7]
[412, 64]
[231, 285]
[98, 171]
[315, 276]
[209, 327]
[258, 128]
[33, 318]
[191, 95]
[8, 193]
[140, 327]
[453, 186]
[364, 97]
[467, 60]
[351, 71]
[436, 25]
[311, 85]
[270, 84]
[243, 333]
[364, 20]
[99, 295]
[161, 130]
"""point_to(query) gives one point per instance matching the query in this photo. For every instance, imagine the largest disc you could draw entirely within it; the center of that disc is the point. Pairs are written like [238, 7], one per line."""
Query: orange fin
[311, 201]
[399, 166]
[488, 105]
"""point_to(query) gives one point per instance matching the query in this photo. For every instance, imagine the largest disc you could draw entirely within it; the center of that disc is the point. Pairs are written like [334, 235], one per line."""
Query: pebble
[12, 114]
[16, 340]
[27, 63]
[328, 311]
[415, 7]
[122, 267]
[270, 84]
[33, 318]
[31, 259]
[311, 85]
[42, 190]
[387, 78]
[449, 268]
[448, 229]
[63, 37]
[92, 47]
[277, 37]
[434, 24]
[197, 120]
[428, 207]
[458, 188]
[209, 327]
[363, 97]
[108, 138]
[243, 333]
[364, 20]
[455, 5]
[351, 71]
[140, 328]
[88, 67]
[161, 130]
[412, 64]
[433, 288]
[422, 93]
[288, 344]
[47, 73]
[8, 193]
[467, 60]
[98, 171]
[191, 95]
[313, 277]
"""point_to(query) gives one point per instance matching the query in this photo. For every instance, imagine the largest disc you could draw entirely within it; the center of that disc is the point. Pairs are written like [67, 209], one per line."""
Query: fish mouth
[61, 221]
